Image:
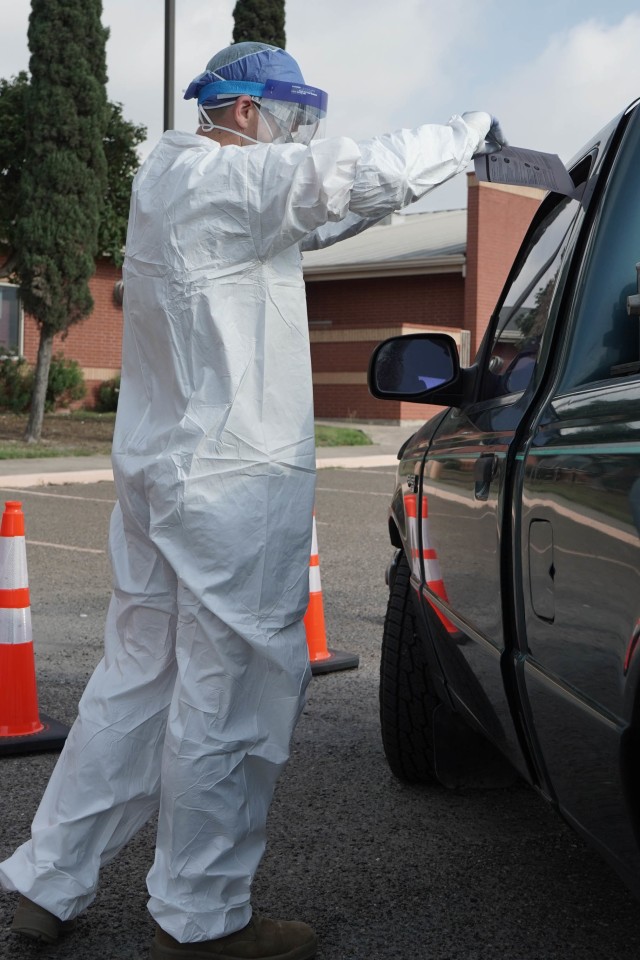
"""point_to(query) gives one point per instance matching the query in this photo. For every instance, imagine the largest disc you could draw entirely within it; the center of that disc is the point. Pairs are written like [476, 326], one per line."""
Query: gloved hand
[491, 136]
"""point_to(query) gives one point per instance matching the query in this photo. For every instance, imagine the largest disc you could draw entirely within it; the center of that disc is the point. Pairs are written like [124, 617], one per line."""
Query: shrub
[16, 383]
[107, 396]
[66, 383]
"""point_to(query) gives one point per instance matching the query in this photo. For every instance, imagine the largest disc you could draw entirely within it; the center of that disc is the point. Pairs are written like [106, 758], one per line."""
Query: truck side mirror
[413, 366]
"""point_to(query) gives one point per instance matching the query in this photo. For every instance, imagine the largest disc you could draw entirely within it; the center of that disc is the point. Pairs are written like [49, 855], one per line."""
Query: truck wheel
[407, 698]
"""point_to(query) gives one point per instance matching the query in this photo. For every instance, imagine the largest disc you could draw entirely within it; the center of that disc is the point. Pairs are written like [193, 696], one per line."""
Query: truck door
[469, 469]
[578, 530]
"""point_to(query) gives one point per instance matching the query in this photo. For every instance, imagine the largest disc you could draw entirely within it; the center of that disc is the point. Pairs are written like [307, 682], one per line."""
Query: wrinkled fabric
[192, 708]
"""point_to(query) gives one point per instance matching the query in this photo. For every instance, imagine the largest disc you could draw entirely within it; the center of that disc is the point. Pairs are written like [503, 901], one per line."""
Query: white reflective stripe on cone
[412, 539]
[432, 570]
[15, 625]
[314, 539]
[13, 563]
[410, 513]
[314, 580]
[425, 534]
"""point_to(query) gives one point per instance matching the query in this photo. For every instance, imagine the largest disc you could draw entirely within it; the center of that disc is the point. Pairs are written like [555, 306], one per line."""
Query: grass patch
[94, 416]
[35, 451]
[340, 437]
[83, 433]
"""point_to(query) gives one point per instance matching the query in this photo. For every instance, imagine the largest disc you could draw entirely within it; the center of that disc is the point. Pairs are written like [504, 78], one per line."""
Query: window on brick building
[10, 318]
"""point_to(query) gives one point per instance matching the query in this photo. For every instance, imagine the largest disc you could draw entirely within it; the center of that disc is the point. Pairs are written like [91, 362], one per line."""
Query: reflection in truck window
[524, 311]
[605, 341]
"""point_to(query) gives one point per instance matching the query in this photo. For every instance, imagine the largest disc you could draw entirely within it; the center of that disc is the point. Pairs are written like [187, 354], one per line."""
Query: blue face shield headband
[292, 112]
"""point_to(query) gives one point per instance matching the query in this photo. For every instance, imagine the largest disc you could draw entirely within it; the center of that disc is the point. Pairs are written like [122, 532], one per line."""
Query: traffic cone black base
[335, 661]
[52, 737]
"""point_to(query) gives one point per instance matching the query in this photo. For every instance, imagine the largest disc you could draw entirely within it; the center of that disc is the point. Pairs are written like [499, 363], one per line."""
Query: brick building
[95, 342]
[440, 271]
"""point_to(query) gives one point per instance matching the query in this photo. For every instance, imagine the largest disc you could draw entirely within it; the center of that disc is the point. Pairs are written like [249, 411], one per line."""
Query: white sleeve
[330, 233]
[398, 168]
[292, 190]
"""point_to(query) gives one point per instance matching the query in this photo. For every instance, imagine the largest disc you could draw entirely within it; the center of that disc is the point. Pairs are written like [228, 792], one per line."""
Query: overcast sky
[552, 71]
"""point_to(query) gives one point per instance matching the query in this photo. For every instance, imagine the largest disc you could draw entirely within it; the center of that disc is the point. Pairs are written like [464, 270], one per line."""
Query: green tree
[261, 20]
[13, 95]
[120, 142]
[64, 175]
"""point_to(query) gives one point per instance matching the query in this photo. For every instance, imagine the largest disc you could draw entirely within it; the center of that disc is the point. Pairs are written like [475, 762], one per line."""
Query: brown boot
[35, 922]
[261, 939]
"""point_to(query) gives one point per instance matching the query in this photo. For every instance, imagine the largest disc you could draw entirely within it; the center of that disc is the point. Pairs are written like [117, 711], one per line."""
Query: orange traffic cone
[322, 659]
[21, 727]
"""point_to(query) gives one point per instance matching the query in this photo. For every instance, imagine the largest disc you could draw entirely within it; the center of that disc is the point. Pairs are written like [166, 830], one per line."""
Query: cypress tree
[261, 20]
[64, 177]
[120, 142]
[13, 94]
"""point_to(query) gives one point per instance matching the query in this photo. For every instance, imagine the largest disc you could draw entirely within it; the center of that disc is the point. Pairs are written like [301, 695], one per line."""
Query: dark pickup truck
[514, 609]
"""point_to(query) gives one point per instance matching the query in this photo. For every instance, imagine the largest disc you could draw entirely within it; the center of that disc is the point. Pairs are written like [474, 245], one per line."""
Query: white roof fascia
[453, 263]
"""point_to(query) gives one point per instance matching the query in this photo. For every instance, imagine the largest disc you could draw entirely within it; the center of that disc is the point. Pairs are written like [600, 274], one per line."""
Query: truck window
[523, 314]
[605, 341]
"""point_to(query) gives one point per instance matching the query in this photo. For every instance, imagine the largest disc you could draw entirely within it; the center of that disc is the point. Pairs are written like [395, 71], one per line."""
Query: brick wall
[437, 299]
[336, 402]
[94, 342]
[348, 318]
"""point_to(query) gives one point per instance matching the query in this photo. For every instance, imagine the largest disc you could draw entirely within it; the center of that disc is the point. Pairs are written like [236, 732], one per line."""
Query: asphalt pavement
[382, 870]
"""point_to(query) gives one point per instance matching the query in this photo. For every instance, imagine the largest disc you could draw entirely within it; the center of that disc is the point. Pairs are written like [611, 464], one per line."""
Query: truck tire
[407, 697]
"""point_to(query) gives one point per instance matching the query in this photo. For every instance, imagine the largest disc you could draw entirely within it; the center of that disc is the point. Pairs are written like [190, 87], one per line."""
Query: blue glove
[488, 129]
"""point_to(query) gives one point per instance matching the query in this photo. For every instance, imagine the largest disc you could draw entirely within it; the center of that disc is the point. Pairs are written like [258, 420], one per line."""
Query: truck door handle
[542, 570]
[483, 473]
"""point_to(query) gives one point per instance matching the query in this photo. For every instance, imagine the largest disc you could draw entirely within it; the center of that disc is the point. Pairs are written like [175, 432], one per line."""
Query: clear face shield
[295, 113]
[288, 112]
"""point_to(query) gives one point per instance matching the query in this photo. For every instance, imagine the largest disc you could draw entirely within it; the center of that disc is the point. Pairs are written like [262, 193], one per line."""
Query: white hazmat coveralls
[192, 708]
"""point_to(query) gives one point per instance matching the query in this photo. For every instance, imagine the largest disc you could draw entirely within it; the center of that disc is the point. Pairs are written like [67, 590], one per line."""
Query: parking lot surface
[382, 871]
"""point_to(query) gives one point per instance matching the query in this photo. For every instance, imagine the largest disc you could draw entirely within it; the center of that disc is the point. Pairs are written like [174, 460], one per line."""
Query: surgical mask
[264, 126]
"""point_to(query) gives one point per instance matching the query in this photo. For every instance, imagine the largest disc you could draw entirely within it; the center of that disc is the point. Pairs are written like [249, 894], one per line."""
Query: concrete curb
[375, 460]
[42, 479]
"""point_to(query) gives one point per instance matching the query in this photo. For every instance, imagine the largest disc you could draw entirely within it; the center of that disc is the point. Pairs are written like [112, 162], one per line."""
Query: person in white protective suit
[191, 711]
